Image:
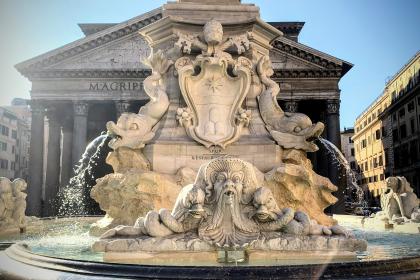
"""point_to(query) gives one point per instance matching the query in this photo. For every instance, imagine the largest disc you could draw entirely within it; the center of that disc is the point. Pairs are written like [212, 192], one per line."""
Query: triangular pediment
[290, 55]
[125, 53]
[284, 61]
[111, 48]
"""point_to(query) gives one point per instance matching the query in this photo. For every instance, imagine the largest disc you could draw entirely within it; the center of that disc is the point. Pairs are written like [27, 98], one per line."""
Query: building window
[381, 160]
[395, 135]
[394, 117]
[375, 162]
[369, 120]
[352, 152]
[411, 106]
[3, 146]
[4, 164]
[378, 134]
[413, 126]
[366, 166]
[394, 95]
[14, 134]
[4, 130]
[353, 165]
[363, 143]
[401, 113]
[382, 177]
[13, 150]
[12, 166]
[403, 131]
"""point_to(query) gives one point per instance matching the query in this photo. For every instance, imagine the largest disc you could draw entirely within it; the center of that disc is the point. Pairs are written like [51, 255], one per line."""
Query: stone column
[333, 135]
[52, 179]
[121, 107]
[66, 153]
[291, 106]
[79, 130]
[36, 159]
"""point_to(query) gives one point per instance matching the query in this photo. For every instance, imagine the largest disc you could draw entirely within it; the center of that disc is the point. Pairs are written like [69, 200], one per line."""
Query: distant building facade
[14, 141]
[402, 122]
[347, 146]
[386, 127]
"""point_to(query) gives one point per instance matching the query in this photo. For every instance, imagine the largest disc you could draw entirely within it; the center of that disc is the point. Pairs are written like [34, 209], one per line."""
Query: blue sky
[377, 36]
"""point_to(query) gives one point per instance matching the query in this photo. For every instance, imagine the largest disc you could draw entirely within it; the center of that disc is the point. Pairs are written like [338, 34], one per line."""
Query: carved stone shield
[214, 116]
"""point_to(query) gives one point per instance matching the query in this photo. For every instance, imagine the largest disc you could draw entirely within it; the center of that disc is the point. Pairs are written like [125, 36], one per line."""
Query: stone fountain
[214, 145]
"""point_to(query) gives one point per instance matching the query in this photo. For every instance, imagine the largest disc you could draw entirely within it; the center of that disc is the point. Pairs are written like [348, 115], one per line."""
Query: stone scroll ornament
[133, 131]
[225, 207]
[289, 130]
[213, 116]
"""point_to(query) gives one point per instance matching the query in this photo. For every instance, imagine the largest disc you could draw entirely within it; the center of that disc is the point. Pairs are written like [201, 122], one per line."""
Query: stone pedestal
[170, 157]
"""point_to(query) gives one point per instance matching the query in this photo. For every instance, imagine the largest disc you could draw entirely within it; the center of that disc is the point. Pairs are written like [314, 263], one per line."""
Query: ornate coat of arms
[214, 116]
[214, 87]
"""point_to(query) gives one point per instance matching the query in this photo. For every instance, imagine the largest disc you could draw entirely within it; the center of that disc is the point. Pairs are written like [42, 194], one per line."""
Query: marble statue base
[190, 243]
[188, 248]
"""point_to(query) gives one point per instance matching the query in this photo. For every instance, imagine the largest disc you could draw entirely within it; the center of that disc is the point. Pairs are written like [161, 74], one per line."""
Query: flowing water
[338, 156]
[74, 199]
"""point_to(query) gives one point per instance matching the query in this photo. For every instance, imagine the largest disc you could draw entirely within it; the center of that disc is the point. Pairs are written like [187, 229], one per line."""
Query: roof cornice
[311, 55]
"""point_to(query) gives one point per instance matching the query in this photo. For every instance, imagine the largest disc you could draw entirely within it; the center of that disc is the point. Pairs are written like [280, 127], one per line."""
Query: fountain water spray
[74, 199]
[342, 161]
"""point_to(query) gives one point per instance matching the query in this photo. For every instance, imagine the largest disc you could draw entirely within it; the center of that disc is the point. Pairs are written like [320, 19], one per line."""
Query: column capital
[122, 106]
[291, 106]
[81, 108]
[37, 107]
[333, 106]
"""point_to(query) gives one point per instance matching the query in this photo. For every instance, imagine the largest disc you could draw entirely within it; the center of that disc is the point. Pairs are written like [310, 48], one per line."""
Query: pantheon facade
[78, 87]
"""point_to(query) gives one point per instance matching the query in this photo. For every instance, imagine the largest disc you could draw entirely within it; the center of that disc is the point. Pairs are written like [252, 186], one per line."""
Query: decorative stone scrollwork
[333, 107]
[213, 44]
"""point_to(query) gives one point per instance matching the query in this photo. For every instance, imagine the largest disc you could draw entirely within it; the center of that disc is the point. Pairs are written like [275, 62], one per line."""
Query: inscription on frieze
[115, 86]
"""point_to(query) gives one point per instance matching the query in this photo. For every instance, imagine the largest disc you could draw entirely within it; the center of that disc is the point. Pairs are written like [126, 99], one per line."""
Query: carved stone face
[230, 185]
[213, 32]
[265, 204]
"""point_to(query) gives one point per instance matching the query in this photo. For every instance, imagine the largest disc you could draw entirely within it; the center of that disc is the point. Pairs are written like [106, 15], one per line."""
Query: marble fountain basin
[61, 247]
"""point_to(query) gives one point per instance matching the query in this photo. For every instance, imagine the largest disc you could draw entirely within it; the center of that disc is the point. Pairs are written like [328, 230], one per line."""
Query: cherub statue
[19, 195]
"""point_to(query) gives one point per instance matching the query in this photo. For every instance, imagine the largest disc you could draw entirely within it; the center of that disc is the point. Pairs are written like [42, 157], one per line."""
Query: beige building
[402, 123]
[14, 141]
[373, 139]
[369, 148]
